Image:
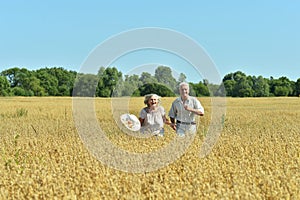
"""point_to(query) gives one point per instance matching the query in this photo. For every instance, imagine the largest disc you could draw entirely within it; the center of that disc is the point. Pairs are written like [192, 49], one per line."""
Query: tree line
[238, 84]
[109, 82]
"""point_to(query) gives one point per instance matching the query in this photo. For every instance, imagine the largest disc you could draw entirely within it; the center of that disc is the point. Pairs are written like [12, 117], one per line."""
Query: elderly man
[184, 109]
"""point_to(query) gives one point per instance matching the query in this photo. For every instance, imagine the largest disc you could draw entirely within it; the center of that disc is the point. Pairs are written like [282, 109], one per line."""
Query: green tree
[4, 86]
[12, 76]
[65, 78]
[155, 88]
[228, 77]
[199, 89]
[229, 82]
[31, 84]
[85, 85]
[220, 91]
[108, 80]
[261, 87]
[18, 91]
[24, 79]
[131, 83]
[297, 87]
[146, 78]
[243, 86]
[216, 90]
[281, 91]
[49, 82]
[182, 78]
[164, 76]
[229, 86]
[281, 86]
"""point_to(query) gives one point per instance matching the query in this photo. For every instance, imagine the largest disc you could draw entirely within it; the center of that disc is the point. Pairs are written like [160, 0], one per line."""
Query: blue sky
[256, 37]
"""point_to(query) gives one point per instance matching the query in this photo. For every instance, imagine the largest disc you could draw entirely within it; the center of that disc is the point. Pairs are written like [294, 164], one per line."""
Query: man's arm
[172, 117]
[196, 111]
[173, 125]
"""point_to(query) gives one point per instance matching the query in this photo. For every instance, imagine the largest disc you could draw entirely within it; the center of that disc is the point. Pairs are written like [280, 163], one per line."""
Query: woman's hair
[148, 96]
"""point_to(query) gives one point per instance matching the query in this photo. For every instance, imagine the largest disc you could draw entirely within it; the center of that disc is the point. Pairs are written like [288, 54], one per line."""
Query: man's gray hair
[184, 84]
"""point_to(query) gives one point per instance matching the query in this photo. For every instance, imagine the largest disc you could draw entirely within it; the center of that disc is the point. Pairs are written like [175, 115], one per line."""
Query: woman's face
[153, 101]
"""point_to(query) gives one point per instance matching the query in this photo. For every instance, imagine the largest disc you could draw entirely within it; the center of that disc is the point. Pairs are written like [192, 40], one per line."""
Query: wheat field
[257, 155]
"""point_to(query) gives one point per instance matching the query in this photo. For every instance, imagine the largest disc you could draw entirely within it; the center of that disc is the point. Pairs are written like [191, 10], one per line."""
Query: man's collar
[180, 99]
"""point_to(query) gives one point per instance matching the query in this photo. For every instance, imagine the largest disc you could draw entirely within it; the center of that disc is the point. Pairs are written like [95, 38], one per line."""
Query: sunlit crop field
[256, 157]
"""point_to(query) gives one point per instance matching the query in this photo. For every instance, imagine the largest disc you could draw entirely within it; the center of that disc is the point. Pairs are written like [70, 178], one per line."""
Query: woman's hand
[166, 121]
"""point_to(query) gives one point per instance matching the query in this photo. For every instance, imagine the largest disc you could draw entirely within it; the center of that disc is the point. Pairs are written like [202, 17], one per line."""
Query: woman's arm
[142, 121]
[166, 121]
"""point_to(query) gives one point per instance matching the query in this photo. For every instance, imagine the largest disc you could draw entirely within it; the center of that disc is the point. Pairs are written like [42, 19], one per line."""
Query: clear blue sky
[259, 37]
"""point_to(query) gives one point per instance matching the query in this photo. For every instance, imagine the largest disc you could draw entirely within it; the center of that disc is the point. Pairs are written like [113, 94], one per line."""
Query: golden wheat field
[257, 155]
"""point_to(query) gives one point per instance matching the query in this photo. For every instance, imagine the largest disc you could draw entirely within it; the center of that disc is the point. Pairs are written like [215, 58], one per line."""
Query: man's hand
[197, 112]
[173, 126]
[187, 108]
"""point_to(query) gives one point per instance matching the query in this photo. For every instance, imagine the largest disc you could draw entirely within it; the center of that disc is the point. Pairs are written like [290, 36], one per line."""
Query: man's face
[184, 91]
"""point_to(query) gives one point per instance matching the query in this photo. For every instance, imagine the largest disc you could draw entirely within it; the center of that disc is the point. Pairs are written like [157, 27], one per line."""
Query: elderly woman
[153, 116]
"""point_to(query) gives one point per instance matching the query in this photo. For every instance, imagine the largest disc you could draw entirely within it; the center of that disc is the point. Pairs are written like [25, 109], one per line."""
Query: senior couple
[182, 113]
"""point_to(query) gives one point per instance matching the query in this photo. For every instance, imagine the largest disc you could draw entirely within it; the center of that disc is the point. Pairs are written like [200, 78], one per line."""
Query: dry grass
[256, 157]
